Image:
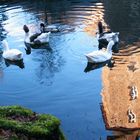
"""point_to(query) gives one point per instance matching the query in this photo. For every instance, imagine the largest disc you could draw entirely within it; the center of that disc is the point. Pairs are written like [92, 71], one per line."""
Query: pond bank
[20, 123]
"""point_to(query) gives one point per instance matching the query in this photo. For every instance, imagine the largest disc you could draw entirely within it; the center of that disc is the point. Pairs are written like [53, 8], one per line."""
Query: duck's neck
[5, 45]
[26, 37]
[100, 27]
[109, 46]
[42, 29]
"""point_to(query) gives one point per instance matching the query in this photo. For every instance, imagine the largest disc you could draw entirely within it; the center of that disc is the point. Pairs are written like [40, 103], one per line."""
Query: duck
[134, 93]
[11, 54]
[102, 55]
[104, 37]
[131, 116]
[37, 38]
[49, 28]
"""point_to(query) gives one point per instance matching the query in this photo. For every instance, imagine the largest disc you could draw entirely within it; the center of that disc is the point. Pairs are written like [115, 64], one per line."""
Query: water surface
[53, 79]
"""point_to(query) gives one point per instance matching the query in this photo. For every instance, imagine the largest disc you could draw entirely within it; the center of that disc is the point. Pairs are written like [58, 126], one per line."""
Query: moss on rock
[23, 121]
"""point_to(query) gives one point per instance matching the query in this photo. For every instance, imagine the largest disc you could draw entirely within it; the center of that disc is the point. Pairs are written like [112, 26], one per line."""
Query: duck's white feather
[43, 38]
[108, 36]
[11, 54]
[101, 55]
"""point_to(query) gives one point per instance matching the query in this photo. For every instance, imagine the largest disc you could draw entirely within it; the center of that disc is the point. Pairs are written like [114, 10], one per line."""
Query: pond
[54, 79]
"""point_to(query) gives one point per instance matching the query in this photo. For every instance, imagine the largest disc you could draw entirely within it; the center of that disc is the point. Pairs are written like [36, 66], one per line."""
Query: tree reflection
[49, 62]
[3, 34]
[123, 16]
[3, 17]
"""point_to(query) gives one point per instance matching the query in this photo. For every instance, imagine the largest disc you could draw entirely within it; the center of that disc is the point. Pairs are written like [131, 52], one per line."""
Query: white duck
[105, 37]
[101, 55]
[35, 39]
[11, 54]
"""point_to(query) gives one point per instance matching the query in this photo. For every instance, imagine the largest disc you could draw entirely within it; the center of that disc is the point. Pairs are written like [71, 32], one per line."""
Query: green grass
[41, 126]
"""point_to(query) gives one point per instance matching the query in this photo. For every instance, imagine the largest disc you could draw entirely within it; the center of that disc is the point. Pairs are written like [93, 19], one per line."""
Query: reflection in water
[3, 17]
[60, 65]
[122, 16]
[1, 65]
[93, 66]
[18, 63]
[129, 135]
[97, 14]
[121, 133]
[36, 46]
[27, 48]
[49, 63]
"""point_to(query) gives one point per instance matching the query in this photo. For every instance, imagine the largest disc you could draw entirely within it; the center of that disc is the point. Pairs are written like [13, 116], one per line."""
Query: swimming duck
[134, 93]
[37, 38]
[105, 37]
[11, 54]
[131, 116]
[49, 28]
[102, 55]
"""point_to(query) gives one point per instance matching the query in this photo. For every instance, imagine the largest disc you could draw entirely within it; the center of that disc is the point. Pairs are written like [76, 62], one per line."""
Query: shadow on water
[18, 63]
[29, 47]
[94, 66]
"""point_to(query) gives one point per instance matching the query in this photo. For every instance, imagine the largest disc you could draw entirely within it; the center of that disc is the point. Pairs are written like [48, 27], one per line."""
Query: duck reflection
[92, 66]
[28, 47]
[18, 63]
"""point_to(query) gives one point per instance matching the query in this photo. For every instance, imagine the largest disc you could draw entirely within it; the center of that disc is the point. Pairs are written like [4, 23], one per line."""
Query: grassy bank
[17, 122]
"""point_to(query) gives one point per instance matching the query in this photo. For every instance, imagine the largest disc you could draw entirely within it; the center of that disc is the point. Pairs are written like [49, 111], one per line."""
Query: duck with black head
[102, 55]
[105, 37]
[37, 39]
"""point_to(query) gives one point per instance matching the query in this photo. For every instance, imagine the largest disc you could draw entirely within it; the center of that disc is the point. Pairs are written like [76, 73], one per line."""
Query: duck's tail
[19, 56]
[100, 27]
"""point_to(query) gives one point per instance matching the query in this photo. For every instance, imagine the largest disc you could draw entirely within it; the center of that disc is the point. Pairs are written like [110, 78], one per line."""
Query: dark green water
[53, 80]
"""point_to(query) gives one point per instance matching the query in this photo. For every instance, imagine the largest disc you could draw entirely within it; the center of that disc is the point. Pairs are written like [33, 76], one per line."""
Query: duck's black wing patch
[33, 37]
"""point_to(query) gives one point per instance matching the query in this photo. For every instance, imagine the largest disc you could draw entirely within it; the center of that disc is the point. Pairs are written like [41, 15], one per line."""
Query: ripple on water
[53, 81]
[77, 50]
